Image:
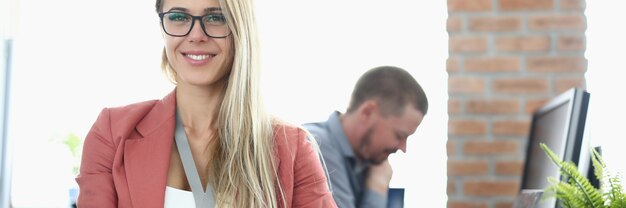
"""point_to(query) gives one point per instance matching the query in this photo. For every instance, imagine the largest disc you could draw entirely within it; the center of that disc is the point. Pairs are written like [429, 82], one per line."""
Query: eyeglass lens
[180, 24]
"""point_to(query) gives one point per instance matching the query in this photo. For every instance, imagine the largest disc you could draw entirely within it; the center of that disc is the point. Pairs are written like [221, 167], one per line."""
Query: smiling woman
[228, 153]
[67, 70]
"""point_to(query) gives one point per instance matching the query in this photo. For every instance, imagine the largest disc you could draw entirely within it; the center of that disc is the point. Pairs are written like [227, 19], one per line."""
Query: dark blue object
[395, 198]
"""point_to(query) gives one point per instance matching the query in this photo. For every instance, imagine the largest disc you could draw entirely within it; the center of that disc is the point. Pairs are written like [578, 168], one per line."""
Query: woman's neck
[198, 107]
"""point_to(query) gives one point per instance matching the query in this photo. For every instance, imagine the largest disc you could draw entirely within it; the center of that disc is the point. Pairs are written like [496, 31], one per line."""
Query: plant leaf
[591, 196]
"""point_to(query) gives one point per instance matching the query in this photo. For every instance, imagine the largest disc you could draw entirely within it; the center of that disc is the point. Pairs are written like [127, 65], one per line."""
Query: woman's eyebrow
[179, 9]
[207, 10]
[212, 9]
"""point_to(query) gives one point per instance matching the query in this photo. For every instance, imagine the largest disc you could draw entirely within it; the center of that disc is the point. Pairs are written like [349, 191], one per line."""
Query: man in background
[386, 107]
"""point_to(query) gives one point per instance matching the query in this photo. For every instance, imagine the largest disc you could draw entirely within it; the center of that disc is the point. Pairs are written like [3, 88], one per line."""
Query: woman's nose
[197, 33]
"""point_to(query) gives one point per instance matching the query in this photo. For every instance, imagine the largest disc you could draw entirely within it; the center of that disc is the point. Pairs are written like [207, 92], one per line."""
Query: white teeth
[198, 57]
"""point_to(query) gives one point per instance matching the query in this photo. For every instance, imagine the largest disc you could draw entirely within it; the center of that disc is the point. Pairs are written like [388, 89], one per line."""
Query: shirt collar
[336, 131]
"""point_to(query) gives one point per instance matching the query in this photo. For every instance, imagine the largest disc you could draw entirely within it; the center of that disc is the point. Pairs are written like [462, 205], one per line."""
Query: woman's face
[197, 58]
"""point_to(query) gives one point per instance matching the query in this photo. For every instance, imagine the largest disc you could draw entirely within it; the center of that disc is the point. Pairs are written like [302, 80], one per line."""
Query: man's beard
[365, 150]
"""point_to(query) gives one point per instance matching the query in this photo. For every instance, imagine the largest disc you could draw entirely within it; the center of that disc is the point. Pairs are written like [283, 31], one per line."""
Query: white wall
[605, 76]
[322, 47]
[72, 58]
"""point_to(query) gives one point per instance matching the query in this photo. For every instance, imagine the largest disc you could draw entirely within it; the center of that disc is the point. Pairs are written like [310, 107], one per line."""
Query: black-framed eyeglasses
[179, 24]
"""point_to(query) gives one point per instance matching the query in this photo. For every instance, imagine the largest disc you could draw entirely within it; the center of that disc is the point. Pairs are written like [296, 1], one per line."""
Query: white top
[178, 198]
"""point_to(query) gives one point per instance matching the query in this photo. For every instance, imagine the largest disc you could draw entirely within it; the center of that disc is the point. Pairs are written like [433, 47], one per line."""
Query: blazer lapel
[147, 154]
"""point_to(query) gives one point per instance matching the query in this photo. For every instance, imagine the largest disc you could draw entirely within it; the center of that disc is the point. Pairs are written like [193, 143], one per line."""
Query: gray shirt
[347, 174]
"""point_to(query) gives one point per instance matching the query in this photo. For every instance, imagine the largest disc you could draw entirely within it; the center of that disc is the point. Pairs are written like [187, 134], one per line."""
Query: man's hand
[379, 176]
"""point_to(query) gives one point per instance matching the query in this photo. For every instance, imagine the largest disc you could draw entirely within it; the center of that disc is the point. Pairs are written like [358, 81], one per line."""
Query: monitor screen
[560, 125]
[395, 198]
[552, 130]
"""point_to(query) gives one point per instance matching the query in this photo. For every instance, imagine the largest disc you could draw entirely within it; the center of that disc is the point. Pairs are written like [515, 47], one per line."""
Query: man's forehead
[408, 122]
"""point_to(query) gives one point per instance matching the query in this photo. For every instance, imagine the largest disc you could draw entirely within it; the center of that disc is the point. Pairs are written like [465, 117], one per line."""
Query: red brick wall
[506, 58]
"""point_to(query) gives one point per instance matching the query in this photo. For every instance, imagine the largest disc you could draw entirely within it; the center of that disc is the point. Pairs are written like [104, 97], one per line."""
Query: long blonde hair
[246, 134]
[244, 171]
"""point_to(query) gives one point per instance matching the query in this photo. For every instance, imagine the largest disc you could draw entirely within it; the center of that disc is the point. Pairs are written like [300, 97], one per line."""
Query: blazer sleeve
[311, 188]
[95, 180]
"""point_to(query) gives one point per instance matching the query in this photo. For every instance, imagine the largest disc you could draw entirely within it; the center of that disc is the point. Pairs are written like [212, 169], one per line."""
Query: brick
[520, 85]
[533, 105]
[564, 84]
[467, 44]
[557, 22]
[520, 5]
[576, 5]
[454, 106]
[492, 64]
[467, 168]
[454, 24]
[495, 24]
[523, 43]
[557, 64]
[465, 204]
[571, 43]
[466, 127]
[483, 147]
[466, 85]
[450, 147]
[513, 128]
[451, 188]
[491, 188]
[482, 106]
[512, 168]
[505, 204]
[452, 65]
[469, 6]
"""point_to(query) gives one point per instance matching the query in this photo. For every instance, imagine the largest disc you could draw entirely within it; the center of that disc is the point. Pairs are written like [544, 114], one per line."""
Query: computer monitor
[395, 198]
[560, 124]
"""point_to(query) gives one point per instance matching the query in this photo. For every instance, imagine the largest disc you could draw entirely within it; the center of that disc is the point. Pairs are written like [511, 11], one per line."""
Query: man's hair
[392, 88]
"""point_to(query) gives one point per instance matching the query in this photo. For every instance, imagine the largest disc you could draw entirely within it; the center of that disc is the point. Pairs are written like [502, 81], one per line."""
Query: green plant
[577, 192]
[74, 145]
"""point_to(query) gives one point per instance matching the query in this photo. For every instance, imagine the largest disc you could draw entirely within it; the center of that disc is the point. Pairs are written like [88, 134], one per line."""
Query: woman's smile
[198, 58]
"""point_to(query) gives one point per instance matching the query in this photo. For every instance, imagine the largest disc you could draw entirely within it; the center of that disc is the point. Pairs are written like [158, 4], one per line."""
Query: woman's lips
[198, 59]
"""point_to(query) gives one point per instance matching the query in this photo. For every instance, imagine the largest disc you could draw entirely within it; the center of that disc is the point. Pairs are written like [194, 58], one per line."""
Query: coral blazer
[126, 158]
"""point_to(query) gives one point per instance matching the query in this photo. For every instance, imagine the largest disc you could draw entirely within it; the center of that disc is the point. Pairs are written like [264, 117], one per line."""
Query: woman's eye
[215, 19]
[177, 17]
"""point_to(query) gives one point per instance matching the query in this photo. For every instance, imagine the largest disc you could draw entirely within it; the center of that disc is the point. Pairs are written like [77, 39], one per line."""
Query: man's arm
[377, 186]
